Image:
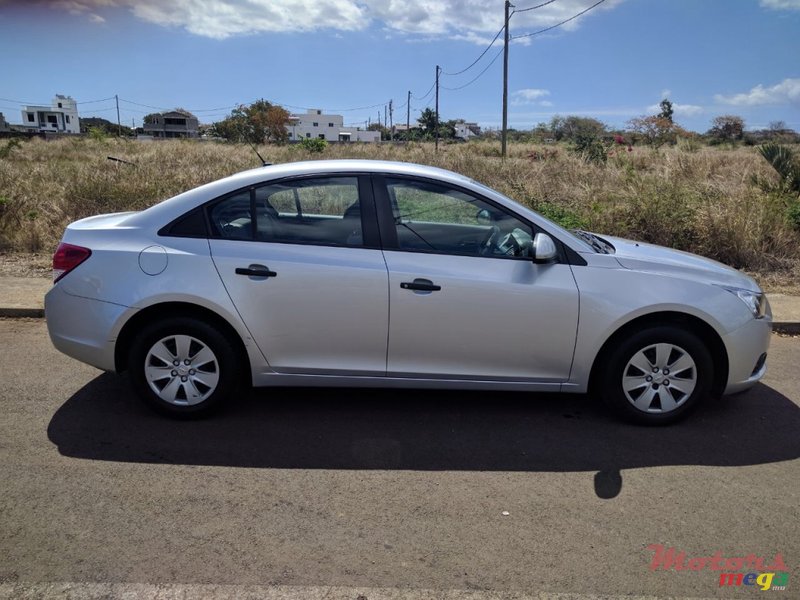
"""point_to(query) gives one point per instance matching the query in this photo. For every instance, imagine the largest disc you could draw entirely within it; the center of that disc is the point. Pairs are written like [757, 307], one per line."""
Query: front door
[467, 301]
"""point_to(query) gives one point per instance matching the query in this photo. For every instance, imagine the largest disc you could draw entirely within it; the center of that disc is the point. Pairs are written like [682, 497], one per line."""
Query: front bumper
[83, 328]
[745, 347]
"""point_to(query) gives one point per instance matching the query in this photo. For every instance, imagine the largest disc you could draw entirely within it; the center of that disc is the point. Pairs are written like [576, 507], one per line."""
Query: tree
[572, 128]
[777, 126]
[727, 128]
[104, 127]
[257, 123]
[666, 110]
[427, 120]
[656, 130]
[151, 118]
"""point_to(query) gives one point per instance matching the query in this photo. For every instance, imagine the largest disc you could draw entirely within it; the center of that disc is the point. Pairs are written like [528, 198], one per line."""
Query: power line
[430, 89]
[521, 10]
[480, 56]
[478, 76]
[145, 105]
[95, 101]
[583, 12]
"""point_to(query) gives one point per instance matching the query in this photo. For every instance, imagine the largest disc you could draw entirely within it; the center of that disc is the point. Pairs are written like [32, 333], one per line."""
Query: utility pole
[391, 121]
[385, 120]
[119, 125]
[408, 116]
[379, 118]
[436, 145]
[504, 150]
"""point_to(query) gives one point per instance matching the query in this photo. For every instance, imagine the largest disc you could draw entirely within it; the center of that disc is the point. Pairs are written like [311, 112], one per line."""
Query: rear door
[301, 262]
[467, 301]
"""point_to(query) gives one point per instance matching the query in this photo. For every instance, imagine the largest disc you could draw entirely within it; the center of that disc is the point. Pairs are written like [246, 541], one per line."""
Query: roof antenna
[261, 158]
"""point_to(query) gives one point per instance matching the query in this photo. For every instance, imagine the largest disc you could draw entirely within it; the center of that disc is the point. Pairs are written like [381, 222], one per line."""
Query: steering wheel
[487, 245]
[509, 245]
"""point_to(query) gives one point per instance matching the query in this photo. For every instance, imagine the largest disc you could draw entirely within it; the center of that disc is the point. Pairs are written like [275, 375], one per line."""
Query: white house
[62, 116]
[466, 131]
[315, 124]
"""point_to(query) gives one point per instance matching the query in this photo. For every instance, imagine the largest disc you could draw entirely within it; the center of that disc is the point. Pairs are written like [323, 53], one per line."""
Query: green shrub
[590, 148]
[97, 133]
[793, 213]
[10, 146]
[313, 144]
[563, 216]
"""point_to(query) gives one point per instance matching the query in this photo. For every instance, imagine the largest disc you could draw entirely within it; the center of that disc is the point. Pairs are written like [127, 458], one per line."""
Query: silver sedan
[372, 273]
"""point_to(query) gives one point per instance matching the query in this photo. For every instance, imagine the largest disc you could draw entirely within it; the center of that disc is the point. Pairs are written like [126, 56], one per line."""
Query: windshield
[581, 244]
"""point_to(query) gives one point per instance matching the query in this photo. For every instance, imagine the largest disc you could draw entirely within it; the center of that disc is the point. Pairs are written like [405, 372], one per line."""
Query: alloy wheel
[659, 378]
[181, 370]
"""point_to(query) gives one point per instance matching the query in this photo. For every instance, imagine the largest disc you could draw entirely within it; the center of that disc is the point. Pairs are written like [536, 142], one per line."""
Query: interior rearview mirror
[544, 249]
[483, 217]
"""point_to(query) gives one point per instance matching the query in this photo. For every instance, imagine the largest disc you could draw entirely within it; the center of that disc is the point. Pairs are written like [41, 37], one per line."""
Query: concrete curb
[21, 313]
[787, 327]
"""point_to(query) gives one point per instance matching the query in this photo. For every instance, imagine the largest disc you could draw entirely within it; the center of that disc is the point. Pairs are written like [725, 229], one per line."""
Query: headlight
[755, 301]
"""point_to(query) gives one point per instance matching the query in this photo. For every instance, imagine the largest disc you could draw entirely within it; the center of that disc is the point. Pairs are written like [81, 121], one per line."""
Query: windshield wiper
[594, 241]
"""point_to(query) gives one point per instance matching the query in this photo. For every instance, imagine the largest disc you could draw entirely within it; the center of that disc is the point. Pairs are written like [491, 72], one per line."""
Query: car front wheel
[658, 375]
[183, 367]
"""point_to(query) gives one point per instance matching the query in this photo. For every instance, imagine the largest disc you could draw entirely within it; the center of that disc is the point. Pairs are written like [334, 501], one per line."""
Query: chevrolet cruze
[372, 273]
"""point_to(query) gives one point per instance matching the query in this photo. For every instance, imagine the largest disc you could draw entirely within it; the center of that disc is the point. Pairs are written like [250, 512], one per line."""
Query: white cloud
[530, 96]
[95, 18]
[220, 19]
[680, 110]
[531, 93]
[468, 20]
[785, 92]
[781, 4]
[666, 93]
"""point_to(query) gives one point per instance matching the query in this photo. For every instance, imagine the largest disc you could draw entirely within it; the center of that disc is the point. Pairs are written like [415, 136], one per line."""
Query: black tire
[228, 377]
[645, 341]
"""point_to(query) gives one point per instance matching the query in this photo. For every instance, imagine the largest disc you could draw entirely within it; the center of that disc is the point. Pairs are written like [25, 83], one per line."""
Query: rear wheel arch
[705, 332]
[167, 310]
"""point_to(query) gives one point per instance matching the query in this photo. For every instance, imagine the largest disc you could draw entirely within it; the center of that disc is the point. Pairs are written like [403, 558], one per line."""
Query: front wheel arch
[704, 331]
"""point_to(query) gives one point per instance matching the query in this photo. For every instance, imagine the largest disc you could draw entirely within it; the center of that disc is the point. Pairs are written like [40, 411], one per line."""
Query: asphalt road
[379, 494]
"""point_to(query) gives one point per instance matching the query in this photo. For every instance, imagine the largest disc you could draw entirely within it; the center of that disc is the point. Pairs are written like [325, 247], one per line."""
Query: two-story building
[315, 124]
[466, 131]
[172, 124]
[61, 117]
[4, 126]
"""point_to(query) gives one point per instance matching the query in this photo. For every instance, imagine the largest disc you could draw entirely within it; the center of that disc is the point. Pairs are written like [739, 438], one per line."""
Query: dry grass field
[702, 199]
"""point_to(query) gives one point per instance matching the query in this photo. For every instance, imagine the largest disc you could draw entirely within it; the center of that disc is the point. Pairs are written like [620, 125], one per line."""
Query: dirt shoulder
[16, 264]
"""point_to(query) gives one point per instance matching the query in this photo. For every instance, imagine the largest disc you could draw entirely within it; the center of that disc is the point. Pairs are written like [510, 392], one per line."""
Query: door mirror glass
[544, 248]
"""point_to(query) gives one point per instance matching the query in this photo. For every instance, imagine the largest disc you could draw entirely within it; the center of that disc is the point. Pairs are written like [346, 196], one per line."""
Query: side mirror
[544, 249]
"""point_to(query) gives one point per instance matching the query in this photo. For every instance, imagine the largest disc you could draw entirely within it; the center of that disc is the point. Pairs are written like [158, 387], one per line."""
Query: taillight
[66, 258]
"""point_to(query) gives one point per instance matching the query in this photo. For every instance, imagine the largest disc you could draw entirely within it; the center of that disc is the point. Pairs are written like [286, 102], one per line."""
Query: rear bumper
[747, 348]
[83, 328]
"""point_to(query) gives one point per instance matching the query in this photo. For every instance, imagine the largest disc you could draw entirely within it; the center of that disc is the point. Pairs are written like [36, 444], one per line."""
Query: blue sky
[710, 57]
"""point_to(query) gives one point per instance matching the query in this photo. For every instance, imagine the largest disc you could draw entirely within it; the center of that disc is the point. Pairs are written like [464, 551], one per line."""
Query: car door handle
[421, 285]
[256, 271]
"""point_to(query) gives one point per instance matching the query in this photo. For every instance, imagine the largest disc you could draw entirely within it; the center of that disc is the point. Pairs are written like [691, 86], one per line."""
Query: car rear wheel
[658, 375]
[183, 367]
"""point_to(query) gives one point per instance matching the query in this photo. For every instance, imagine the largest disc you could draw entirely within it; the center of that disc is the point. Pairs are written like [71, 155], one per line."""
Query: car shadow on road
[301, 428]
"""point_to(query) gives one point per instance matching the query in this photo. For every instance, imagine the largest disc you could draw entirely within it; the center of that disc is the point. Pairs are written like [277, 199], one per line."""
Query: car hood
[640, 256]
